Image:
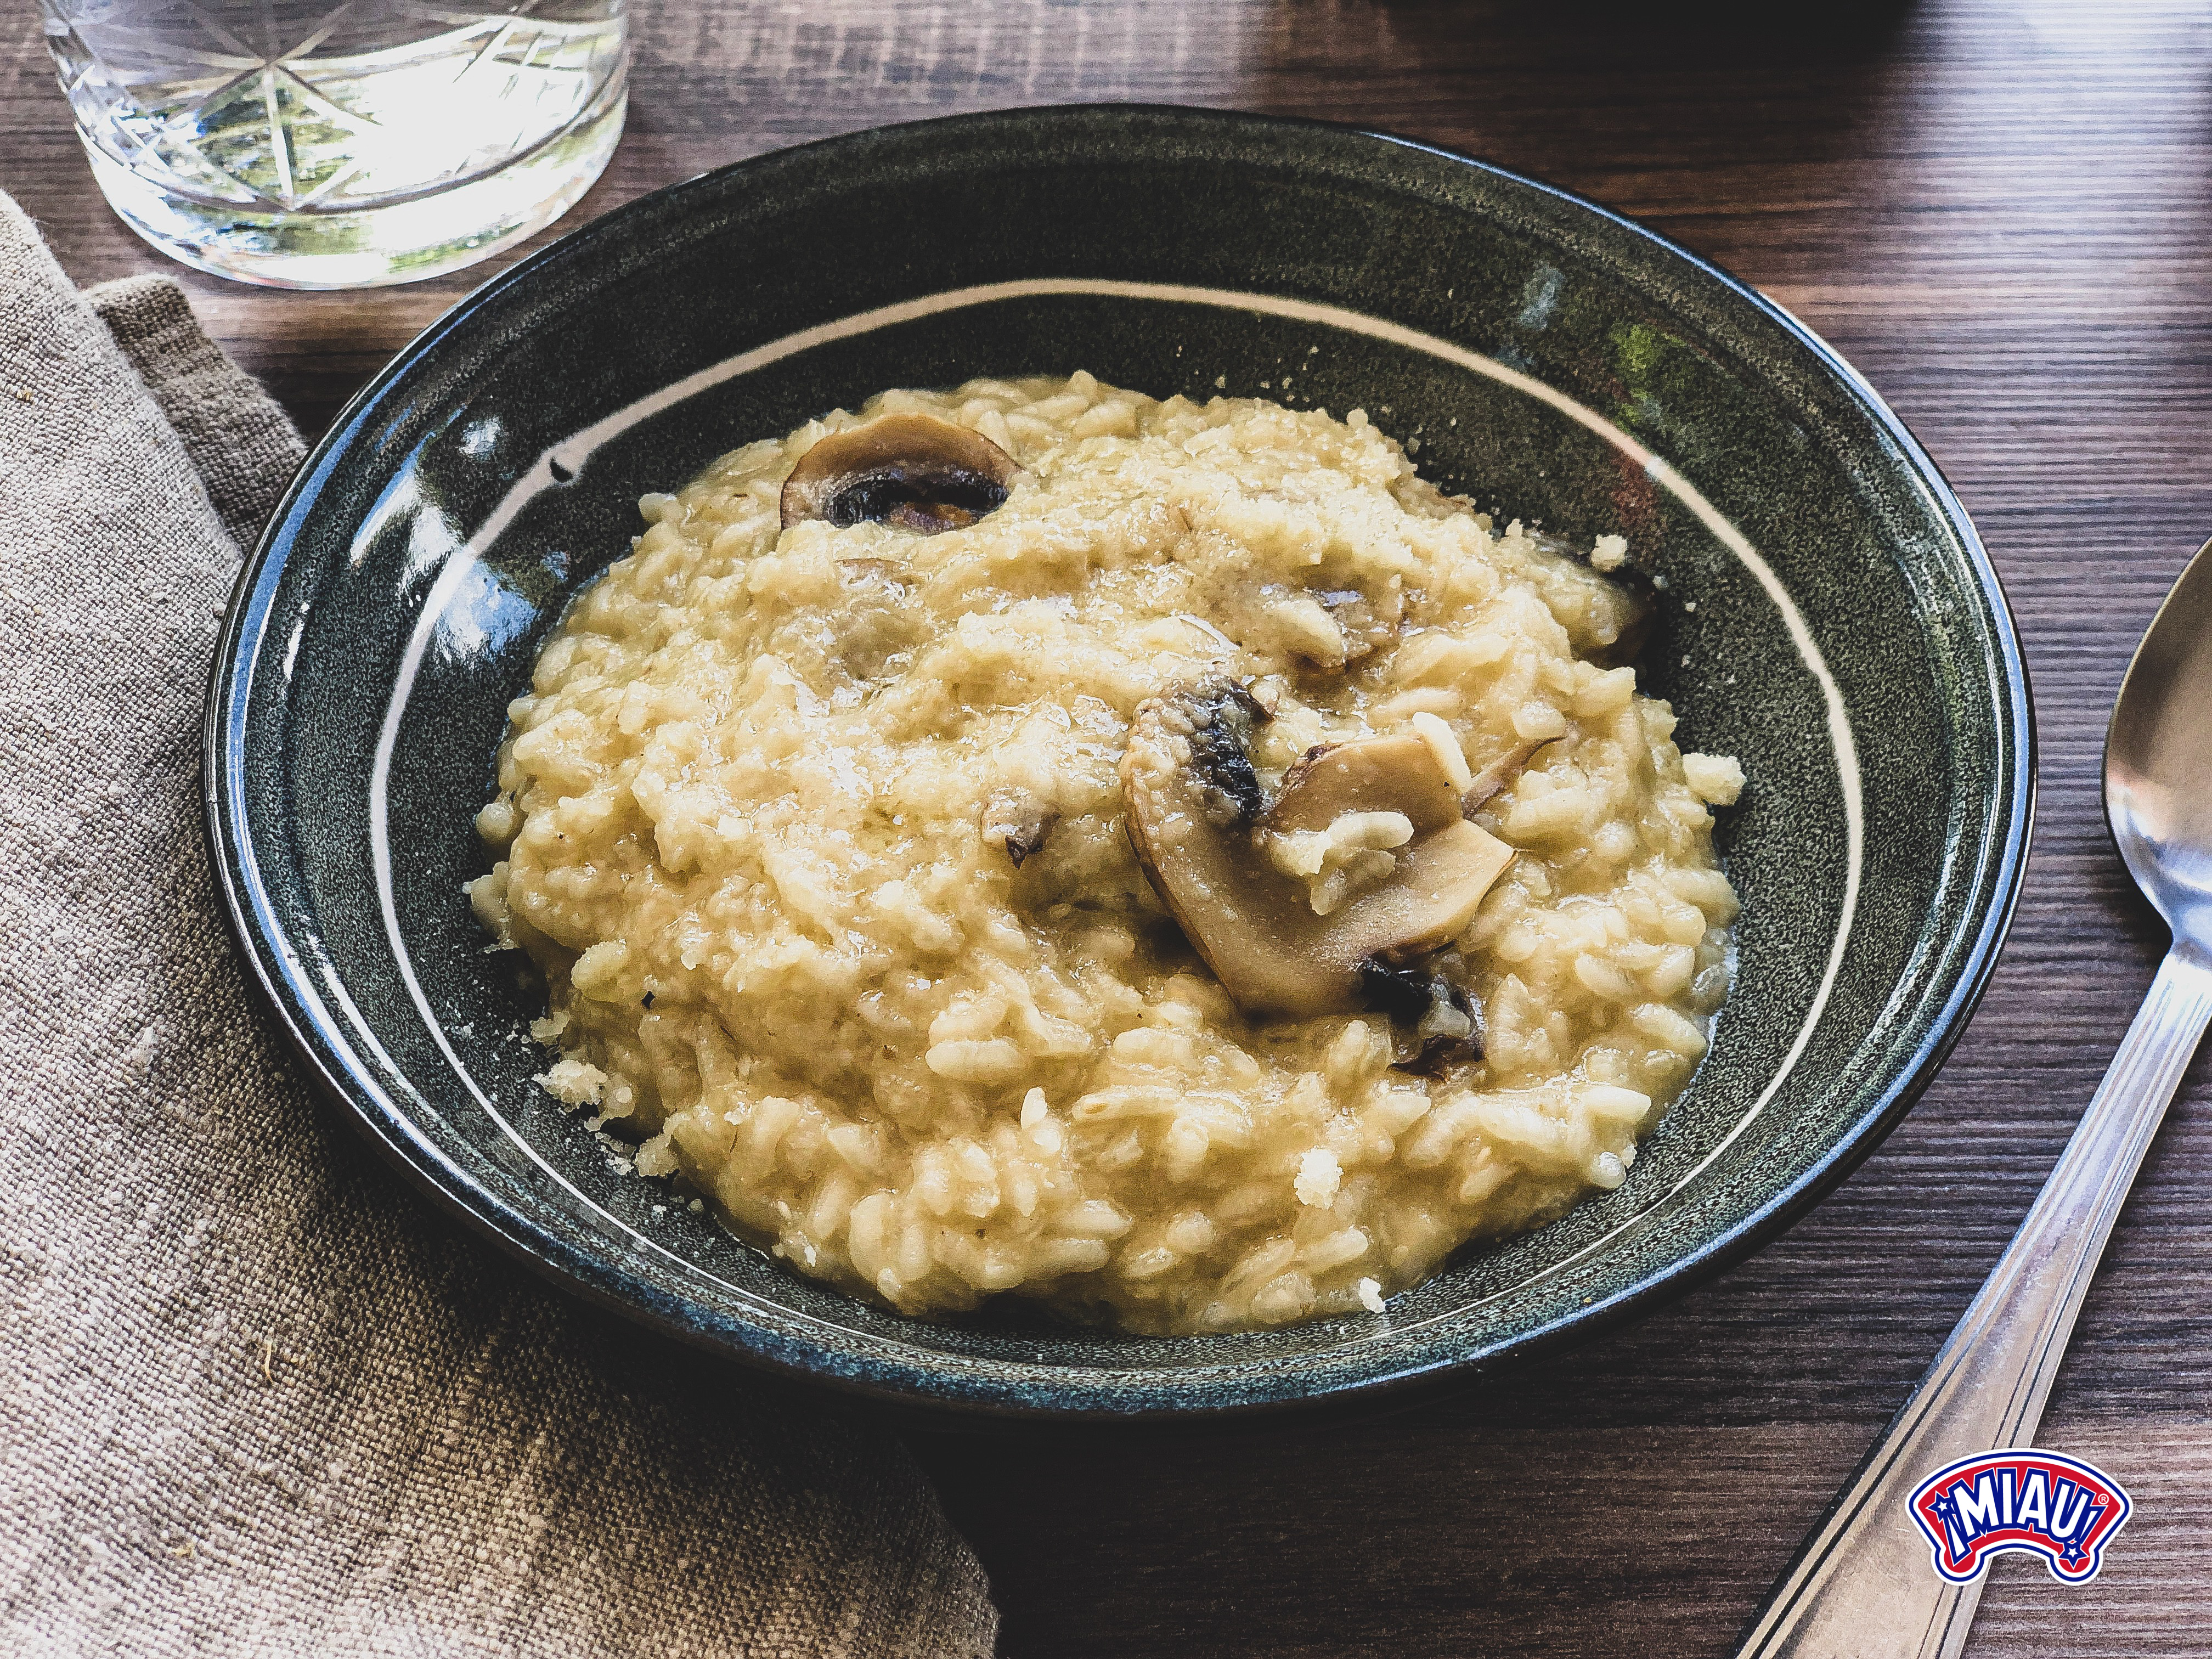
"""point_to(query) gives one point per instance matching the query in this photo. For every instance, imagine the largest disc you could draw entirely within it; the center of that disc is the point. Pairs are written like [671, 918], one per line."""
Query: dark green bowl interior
[1374, 267]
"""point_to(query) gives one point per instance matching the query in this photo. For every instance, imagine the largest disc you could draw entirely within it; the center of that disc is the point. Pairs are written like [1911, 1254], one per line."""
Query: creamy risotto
[1163, 858]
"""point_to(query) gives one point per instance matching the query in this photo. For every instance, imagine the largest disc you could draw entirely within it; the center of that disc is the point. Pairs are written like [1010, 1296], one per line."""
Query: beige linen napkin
[255, 1396]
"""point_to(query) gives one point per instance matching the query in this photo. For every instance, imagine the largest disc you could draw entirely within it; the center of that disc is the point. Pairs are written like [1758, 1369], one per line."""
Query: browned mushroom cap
[1194, 804]
[916, 470]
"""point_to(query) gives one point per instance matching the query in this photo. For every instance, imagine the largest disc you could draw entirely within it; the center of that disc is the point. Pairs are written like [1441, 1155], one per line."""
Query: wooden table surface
[2001, 210]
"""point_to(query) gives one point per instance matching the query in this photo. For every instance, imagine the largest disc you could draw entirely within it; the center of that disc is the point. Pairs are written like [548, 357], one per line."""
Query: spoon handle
[1865, 1586]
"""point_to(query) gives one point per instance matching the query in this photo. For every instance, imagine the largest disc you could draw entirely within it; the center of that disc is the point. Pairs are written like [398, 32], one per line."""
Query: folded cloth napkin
[255, 1396]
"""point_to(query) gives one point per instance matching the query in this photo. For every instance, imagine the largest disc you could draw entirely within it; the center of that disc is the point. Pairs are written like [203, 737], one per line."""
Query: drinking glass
[304, 143]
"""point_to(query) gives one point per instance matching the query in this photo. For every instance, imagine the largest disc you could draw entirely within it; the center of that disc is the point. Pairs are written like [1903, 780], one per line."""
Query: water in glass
[305, 143]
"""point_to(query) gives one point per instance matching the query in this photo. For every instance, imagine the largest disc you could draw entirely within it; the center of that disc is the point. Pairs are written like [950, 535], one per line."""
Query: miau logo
[2035, 1502]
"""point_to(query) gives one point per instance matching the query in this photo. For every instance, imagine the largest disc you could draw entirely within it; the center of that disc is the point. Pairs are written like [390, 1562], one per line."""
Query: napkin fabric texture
[257, 1397]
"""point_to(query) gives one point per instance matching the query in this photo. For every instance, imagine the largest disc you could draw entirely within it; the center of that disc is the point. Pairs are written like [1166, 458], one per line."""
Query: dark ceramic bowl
[1828, 614]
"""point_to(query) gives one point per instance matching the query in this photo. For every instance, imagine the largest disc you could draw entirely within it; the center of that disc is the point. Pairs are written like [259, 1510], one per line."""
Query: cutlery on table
[1865, 1585]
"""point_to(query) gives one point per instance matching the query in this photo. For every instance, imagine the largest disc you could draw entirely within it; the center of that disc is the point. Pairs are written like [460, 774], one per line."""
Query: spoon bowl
[2158, 757]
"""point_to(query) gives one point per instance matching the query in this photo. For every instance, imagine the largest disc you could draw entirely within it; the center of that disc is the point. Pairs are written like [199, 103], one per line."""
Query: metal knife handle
[1865, 1586]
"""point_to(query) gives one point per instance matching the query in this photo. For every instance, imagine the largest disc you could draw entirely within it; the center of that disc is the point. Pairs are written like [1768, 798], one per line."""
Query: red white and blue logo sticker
[2035, 1502]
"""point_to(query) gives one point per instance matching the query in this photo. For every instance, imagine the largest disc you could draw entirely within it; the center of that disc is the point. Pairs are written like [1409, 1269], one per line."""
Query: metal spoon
[1865, 1586]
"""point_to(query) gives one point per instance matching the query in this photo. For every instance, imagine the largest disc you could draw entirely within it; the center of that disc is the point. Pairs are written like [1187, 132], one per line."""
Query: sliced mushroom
[1374, 774]
[1445, 1018]
[1017, 823]
[916, 470]
[1499, 773]
[1364, 622]
[1194, 802]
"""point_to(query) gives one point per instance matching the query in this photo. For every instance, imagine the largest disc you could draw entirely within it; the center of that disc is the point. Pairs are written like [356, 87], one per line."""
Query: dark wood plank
[1999, 212]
